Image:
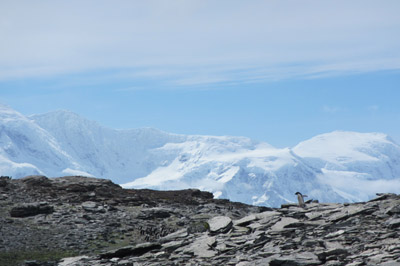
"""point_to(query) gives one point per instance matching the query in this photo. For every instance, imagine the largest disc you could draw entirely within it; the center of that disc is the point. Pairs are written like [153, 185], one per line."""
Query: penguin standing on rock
[300, 198]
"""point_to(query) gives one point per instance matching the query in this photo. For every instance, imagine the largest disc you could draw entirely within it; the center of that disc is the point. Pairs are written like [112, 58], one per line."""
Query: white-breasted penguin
[300, 198]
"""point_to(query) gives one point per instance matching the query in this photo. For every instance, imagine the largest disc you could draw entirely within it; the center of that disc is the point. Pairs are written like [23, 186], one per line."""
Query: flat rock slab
[390, 263]
[71, 260]
[299, 259]
[174, 236]
[202, 247]
[171, 246]
[393, 223]
[220, 224]
[332, 252]
[267, 215]
[246, 220]
[137, 250]
[91, 206]
[350, 211]
[284, 222]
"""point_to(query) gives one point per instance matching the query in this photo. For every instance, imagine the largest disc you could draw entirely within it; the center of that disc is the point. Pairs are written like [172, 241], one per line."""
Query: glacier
[333, 167]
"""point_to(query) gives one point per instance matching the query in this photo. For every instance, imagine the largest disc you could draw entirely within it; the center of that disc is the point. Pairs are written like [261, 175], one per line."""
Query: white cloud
[197, 42]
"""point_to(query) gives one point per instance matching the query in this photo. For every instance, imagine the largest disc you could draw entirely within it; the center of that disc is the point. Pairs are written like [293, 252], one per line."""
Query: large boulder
[36, 180]
[154, 213]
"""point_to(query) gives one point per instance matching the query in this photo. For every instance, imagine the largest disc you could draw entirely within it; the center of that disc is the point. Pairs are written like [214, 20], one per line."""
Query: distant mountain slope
[26, 148]
[121, 155]
[356, 165]
[333, 167]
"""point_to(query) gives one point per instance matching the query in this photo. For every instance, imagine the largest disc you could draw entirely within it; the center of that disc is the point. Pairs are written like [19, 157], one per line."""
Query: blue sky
[277, 71]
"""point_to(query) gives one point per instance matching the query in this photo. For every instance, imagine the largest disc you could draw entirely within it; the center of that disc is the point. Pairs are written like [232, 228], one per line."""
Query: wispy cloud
[187, 43]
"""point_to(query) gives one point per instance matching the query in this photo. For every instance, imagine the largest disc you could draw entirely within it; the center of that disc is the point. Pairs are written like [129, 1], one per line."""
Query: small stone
[89, 205]
[312, 242]
[332, 252]
[333, 263]
[335, 234]
[3, 196]
[31, 263]
[356, 263]
[220, 224]
[94, 207]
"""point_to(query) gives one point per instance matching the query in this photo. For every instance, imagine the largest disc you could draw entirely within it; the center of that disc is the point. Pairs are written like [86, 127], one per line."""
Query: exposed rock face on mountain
[95, 222]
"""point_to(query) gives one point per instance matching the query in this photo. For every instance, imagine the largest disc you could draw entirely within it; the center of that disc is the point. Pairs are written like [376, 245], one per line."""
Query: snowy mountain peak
[344, 146]
[347, 138]
[7, 114]
[62, 119]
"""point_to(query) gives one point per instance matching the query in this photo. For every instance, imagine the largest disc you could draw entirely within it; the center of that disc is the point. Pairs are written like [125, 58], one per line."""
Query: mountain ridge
[334, 167]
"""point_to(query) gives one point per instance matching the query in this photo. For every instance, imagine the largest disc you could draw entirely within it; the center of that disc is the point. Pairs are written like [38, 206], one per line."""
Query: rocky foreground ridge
[87, 221]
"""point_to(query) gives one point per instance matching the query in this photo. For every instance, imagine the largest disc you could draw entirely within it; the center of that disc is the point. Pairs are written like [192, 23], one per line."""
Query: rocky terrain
[87, 221]
[44, 219]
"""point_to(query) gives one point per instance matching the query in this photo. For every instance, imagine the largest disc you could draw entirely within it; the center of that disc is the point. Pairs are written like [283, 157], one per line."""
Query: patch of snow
[69, 171]
[217, 194]
[260, 200]
[229, 174]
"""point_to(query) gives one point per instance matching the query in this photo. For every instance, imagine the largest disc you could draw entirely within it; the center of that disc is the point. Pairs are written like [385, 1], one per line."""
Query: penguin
[300, 198]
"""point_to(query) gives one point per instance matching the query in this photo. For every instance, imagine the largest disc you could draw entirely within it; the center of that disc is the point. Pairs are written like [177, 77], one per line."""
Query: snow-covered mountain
[333, 167]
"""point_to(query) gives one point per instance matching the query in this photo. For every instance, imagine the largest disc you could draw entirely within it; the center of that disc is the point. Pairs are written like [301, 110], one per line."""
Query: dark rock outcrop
[31, 209]
[44, 217]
